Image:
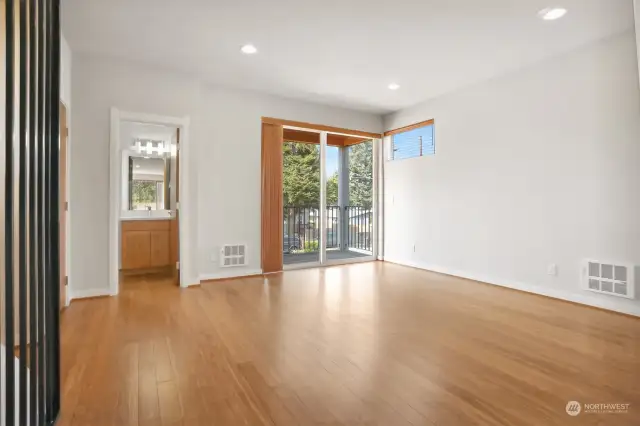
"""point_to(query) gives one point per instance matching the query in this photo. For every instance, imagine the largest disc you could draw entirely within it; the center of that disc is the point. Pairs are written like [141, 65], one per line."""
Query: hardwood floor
[363, 344]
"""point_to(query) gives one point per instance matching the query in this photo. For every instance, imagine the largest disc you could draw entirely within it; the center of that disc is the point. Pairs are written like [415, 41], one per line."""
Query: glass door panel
[349, 193]
[328, 198]
[359, 212]
[301, 202]
[333, 208]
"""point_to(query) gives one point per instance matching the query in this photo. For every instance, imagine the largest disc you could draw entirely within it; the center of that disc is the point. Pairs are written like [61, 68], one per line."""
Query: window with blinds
[413, 143]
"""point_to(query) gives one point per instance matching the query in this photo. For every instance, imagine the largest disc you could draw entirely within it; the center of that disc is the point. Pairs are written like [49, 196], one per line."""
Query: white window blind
[413, 143]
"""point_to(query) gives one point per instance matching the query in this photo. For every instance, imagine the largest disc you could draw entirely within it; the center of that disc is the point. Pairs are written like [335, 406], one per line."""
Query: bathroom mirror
[148, 184]
[149, 171]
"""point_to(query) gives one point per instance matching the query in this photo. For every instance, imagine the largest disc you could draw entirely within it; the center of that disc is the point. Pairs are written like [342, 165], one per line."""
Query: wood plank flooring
[363, 344]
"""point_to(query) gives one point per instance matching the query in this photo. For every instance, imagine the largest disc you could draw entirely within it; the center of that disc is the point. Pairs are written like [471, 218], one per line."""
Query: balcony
[349, 233]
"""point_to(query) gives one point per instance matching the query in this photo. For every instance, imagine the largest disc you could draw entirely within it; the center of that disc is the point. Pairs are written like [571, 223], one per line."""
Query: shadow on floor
[291, 259]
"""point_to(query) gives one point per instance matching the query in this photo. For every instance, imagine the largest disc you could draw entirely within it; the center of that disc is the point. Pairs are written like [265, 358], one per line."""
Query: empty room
[320, 213]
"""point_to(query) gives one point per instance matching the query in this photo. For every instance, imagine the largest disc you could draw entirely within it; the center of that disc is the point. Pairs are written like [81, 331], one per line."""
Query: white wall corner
[636, 8]
[65, 97]
[604, 302]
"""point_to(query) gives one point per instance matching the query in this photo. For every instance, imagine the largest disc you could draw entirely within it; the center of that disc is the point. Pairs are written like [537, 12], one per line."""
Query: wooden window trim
[272, 198]
[409, 127]
[320, 127]
[301, 136]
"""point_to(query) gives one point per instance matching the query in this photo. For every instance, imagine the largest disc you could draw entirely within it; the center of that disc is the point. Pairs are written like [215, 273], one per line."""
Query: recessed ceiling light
[394, 86]
[137, 166]
[249, 49]
[552, 13]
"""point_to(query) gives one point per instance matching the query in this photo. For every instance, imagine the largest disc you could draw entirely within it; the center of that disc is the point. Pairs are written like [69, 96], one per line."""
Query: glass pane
[414, 143]
[334, 209]
[357, 208]
[301, 197]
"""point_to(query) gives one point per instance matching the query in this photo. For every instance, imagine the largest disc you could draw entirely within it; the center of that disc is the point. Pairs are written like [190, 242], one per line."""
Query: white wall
[65, 95]
[229, 172]
[636, 8]
[99, 85]
[541, 166]
[225, 151]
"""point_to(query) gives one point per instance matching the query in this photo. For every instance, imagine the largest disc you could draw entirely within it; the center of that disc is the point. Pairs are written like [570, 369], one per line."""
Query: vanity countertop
[147, 218]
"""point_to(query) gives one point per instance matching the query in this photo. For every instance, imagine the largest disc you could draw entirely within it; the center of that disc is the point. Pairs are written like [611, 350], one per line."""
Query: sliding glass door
[301, 201]
[329, 194]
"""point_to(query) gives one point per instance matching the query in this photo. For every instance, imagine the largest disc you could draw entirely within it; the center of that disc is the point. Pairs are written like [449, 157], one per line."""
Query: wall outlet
[552, 269]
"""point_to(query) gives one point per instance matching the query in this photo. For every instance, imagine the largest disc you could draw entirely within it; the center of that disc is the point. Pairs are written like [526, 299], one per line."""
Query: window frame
[405, 129]
[155, 182]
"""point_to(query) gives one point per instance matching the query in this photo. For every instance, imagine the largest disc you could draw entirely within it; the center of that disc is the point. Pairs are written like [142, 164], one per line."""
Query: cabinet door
[160, 248]
[136, 249]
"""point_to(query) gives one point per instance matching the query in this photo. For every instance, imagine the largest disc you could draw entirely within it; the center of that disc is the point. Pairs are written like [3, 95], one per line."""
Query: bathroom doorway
[146, 217]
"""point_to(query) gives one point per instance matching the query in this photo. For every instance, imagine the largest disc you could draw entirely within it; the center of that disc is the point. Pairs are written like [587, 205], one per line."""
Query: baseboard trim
[519, 286]
[88, 293]
[230, 275]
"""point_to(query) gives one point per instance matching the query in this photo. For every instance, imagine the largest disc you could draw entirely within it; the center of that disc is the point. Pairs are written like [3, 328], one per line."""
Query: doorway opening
[146, 206]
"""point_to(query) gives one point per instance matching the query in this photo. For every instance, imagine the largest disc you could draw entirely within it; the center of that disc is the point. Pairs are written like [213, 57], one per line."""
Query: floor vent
[609, 278]
[233, 255]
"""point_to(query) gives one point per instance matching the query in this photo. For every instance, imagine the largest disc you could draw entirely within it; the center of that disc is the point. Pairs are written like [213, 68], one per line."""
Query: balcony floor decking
[294, 259]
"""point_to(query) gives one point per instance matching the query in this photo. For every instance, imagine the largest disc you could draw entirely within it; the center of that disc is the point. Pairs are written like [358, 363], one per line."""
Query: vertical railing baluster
[22, 219]
[33, 209]
[47, 211]
[350, 228]
[357, 227]
[8, 217]
[54, 210]
[40, 213]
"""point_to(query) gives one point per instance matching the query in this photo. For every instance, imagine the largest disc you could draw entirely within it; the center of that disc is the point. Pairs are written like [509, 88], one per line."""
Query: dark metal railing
[349, 227]
[301, 230]
[31, 281]
[360, 227]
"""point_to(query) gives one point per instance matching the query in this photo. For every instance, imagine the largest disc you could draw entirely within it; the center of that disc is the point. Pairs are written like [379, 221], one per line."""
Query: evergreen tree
[361, 175]
[332, 190]
[143, 192]
[301, 174]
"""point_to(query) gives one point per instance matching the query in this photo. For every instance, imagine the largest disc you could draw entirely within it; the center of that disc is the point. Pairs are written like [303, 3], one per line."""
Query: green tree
[361, 175]
[332, 190]
[143, 192]
[301, 174]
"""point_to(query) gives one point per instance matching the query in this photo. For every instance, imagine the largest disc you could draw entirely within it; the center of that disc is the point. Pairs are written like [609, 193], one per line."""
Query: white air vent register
[233, 255]
[609, 278]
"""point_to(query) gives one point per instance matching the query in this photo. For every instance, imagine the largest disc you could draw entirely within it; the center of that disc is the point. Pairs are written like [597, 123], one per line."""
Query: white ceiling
[340, 52]
[148, 166]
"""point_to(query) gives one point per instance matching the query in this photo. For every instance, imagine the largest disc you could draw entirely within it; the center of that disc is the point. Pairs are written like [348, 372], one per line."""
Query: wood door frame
[271, 257]
[65, 263]
[271, 192]
[185, 243]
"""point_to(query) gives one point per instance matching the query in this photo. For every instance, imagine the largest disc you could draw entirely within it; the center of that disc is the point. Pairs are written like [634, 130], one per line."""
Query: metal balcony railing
[348, 227]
